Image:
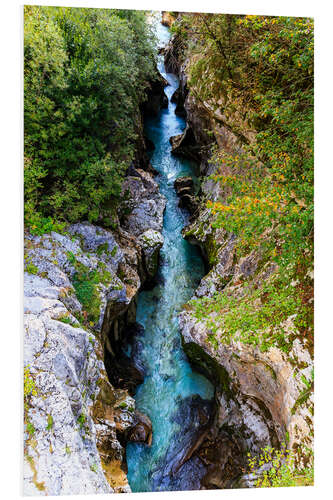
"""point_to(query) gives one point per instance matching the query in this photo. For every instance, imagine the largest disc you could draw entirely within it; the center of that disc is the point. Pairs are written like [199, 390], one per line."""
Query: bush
[282, 471]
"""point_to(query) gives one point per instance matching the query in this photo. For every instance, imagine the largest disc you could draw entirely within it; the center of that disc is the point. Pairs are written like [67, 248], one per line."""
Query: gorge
[169, 383]
[149, 364]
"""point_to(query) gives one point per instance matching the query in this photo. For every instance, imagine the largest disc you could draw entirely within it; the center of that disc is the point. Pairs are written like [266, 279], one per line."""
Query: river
[172, 395]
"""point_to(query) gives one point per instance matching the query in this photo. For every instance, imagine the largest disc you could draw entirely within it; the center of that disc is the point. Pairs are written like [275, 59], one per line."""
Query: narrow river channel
[172, 395]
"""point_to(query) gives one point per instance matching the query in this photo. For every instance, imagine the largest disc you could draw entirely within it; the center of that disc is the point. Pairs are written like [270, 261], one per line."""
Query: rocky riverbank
[264, 396]
[80, 301]
[80, 296]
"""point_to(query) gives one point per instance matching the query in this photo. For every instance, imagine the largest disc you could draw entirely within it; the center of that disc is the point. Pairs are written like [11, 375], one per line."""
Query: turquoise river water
[170, 386]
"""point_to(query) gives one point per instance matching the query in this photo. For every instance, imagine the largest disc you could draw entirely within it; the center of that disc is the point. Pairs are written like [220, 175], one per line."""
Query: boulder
[178, 98]
[185, 190]
[183, 182]
[156, 98]
[185, 144]
[141, 431]
[143, 205]
[189, 202]
[151, 242]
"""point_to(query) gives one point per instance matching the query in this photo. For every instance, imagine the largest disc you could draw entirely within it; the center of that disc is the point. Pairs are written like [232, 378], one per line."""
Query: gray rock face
[80, 290]
[63, 359]
[60, 258]
[261, 395]
[185, 144]
[157, 99]
[151, 242]
[99, 241]
[61, 456]
[144, 205]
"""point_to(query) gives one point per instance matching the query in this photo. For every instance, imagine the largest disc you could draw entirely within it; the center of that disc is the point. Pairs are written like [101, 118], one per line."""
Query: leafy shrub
[49, 422]
[82, 420]
[29, 267]
[86, 291]
[29, 387]
[282, 471]
[30, 428]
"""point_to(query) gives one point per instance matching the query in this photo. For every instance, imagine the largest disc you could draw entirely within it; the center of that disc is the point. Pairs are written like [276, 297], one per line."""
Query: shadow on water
[177, 400]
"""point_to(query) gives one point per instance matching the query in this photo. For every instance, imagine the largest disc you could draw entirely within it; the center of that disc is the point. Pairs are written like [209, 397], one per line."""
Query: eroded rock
[143, 206]
[151, 242]
[75, 415]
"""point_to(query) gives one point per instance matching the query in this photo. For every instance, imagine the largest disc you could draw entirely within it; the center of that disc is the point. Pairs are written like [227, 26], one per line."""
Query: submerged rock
[184, 187]
[181, 468]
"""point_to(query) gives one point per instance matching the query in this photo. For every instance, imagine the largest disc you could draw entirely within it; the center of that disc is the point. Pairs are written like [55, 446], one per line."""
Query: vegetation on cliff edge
[85, 73]
[255, 76]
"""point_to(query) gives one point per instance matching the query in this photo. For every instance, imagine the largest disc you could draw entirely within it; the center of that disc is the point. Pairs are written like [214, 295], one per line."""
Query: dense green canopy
[85, 72]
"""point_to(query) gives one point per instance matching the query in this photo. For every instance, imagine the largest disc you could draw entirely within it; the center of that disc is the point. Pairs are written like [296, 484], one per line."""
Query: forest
[85, 75]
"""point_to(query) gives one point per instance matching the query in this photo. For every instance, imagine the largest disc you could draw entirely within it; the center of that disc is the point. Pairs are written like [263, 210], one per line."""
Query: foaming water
[170, 386]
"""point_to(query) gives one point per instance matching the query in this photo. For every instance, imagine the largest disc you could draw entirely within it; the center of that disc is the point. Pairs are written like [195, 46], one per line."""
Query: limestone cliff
[264, 392]
[79, 302]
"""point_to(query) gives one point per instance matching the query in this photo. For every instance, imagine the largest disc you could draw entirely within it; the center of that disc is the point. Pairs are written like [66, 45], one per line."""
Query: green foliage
[81, 420]
[29, 267]
[85, 282]
[71, 257]
[67, 320]
[29, 388]
[49, 422]
[94, 468]
[282, 471]
[255, 318]
[261, 70]
[85, 74]
[305, 394]
[261, 67]
[40, 225]
[31, 429]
